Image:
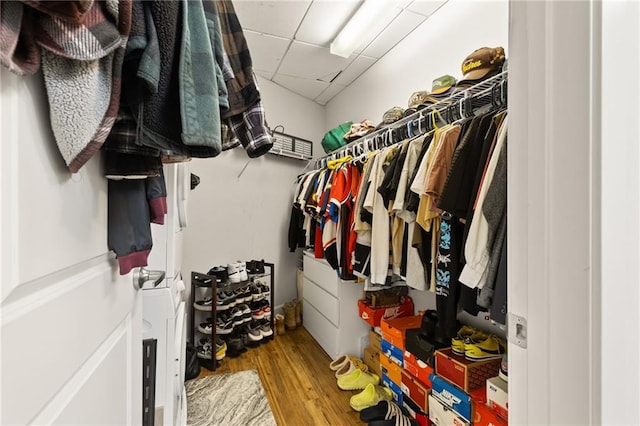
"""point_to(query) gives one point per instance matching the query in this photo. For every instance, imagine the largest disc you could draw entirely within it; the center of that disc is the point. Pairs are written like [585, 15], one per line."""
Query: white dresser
[331, 309]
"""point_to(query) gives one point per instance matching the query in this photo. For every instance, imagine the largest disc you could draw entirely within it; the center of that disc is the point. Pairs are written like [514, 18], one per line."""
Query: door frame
[574, 204]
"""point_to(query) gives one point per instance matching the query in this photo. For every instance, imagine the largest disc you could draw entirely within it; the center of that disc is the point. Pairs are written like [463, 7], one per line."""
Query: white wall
[247, 217]
[435, 48]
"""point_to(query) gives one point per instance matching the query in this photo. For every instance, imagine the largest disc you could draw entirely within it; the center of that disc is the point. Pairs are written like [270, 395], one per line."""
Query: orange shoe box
[373, 316]
[467, 375]
[417, 368]
[393, 330]
[417, 391]
[372, 360]
[391, 369]
[485, 416]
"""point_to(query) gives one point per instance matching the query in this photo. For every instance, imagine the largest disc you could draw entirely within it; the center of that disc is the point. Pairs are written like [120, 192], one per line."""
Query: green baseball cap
[442, 84]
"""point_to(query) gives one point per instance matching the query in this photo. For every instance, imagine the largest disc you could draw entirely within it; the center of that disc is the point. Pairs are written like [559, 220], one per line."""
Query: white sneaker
[234, 273]
[242, 267]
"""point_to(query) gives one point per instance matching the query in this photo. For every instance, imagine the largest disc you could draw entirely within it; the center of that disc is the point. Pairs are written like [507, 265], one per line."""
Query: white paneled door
[70, 342]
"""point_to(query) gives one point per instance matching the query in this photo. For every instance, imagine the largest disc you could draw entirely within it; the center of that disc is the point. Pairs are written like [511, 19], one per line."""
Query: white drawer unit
[331, 309]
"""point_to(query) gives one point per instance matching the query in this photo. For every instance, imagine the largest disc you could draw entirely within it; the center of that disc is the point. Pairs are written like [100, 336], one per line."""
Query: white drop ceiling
[289, 41]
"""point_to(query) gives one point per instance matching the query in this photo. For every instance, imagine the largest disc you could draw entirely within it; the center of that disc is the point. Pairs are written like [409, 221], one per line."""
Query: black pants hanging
[447, 273]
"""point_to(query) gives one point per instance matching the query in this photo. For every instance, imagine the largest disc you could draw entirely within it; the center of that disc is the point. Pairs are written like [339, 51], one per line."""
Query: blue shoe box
[394, 353]
[452, 396]
[395, 389]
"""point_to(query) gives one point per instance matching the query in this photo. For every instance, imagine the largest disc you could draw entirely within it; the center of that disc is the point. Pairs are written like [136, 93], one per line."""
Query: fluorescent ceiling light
[363, 26]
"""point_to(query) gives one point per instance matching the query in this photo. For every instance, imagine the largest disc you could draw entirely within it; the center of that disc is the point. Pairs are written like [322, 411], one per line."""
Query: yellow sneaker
[349, 366]
[466, 335]
[491, 347]
[369, 397]
[357, 379]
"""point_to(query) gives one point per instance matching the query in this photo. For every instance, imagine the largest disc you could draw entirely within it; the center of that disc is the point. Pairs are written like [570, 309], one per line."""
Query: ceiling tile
[280, 18]
[312, 62]
[264, 74]
[329, 93]
[324, 20]
[309, 88]
[403, 25]
[426, 7]
[354, 70]
[266, 51]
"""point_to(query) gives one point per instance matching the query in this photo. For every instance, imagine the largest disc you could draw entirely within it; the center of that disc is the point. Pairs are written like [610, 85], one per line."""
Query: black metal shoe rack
[197, 277]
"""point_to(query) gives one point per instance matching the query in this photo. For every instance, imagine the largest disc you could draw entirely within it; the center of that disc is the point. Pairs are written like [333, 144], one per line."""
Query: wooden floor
[295, 374]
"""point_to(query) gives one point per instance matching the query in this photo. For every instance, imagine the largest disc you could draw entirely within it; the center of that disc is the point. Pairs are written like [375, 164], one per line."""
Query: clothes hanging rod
[476, 91]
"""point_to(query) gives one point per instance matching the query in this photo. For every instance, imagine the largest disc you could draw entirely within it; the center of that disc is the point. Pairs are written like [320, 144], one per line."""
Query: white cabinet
[331, 309]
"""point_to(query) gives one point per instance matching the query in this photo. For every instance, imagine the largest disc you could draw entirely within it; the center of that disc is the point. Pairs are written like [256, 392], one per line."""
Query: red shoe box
[422, 417]
[467, 375]
[393, 330]
[417, 391]
[374, 316]
[485, 416]
[417, 368]
[391, 369]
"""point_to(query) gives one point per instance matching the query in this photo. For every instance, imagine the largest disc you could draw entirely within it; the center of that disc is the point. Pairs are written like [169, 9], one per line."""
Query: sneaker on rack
[234, 273]
[253, 331]
[204, 351]
[220, 272]
[242, 267]
[256, 292]
[466, 335]
[491, 347]
[205, 327]
[266, 291]
[224, 325]
[247, 294]
[204, 304]
[259, 266]
[237, 315]
[246, 312]
[265, 329]
[504, 373]
[256, 311]
[226, 300]
[201, 281]
[251, 267]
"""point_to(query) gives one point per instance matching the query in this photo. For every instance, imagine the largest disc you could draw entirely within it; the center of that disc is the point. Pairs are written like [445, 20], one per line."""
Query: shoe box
[485, 416]
[391, 369]
[441, 415]
[415, 412]
[372, 359]
[468, 375]
[417, 391]
[455, 398]
[386, 297]
[395, 388]
[375, 340]
[417, 368]
[373, 316]
[497, 396]
[393, 330]
[395, 354]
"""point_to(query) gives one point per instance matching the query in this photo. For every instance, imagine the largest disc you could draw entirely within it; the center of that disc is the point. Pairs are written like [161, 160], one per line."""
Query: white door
[71, 351]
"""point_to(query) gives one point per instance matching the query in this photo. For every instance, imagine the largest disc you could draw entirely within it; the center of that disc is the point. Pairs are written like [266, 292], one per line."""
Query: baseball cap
[442, 84]
[482, 63]
[391, 115]
[419, 100]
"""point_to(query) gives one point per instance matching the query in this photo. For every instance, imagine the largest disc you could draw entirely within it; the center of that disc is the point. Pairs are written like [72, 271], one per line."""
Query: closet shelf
[464, 101]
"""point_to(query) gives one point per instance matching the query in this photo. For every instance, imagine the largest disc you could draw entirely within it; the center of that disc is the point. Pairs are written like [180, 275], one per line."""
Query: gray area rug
[229, 400]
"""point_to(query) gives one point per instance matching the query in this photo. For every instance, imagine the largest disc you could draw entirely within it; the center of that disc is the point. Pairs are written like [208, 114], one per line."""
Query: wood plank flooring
[296, 377]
